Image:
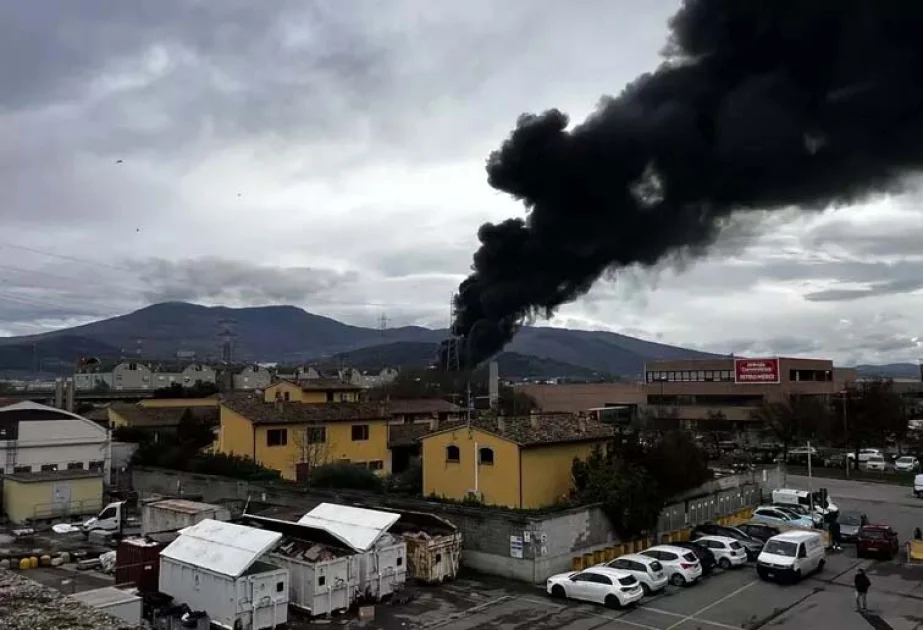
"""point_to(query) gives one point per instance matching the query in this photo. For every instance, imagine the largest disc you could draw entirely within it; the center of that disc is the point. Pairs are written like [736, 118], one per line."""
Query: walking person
[835, 535]
[862, 589]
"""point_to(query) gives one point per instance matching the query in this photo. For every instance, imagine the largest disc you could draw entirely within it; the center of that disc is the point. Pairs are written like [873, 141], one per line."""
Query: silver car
[850, 522]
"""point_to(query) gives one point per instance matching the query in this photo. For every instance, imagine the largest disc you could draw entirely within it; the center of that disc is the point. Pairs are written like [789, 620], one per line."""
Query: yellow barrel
[33, 562]
[576, 563]
[587, 560]
[24, 564]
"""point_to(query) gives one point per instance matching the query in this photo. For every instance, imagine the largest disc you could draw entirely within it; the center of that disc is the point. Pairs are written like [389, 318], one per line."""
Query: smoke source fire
[760, 104]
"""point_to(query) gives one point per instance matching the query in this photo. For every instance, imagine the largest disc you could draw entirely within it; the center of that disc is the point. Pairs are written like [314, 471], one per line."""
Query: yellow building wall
[498, 483]
[547, 472]
[320, 396]
[338, 446]
[283, 387]
[35, 500]
[235, 434]
[180, 402]
[115, 419]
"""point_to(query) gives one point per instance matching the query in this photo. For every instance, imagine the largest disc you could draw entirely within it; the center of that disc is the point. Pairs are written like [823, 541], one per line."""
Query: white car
[864, 454]
[601, 585]
[649, 572]
[727, 551]
[681, 565]
[907, 463]
[918, 486]
[874, 462]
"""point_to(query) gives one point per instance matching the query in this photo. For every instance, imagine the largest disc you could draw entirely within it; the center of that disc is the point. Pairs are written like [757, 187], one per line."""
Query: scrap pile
[308, 551]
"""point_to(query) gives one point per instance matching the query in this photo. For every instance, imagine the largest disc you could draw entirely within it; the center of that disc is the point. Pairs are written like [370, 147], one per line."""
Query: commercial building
[722, 393]
[518, 462]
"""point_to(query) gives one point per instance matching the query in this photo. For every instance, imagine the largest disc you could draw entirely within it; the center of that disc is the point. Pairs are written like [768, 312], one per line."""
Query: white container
[214, 567]
[122, 604]
[172, 515]
[383, 569]
[319, 588]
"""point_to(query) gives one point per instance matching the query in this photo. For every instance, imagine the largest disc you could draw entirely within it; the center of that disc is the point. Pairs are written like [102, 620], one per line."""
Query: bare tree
[312, 449]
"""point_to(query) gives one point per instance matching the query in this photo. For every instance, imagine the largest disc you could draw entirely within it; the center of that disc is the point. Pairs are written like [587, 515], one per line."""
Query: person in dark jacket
[862, 589]
[917, 534]
[835, 535]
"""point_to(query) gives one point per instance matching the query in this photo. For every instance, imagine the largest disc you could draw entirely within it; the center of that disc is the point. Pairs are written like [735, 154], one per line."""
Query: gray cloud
[877, 289]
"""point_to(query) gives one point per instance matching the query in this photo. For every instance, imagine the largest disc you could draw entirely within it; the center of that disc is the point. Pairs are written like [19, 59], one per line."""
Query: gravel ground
[28, 605]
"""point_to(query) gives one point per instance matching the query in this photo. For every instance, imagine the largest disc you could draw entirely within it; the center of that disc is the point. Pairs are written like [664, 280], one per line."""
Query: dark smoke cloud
[761, 104]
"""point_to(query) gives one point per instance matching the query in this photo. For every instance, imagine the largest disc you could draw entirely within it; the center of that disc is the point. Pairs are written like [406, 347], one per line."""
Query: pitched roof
[259, 412]
[327, 384]
[539, 430]
[147, 417]
[225, 548]
[422, 405]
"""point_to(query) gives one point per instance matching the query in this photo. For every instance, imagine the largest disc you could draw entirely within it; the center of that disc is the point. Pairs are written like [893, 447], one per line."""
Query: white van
[791, 556]
[819, 501]
[918, 486]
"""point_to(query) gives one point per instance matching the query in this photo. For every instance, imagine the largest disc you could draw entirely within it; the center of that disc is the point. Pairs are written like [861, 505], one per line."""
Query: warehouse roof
[223, 548]
[359, 528]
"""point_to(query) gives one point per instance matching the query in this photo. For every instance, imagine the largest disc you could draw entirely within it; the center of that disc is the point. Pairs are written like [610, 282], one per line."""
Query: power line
[63, 257]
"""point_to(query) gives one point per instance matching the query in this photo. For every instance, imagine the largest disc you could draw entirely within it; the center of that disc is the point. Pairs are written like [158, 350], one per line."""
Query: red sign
[756, 370]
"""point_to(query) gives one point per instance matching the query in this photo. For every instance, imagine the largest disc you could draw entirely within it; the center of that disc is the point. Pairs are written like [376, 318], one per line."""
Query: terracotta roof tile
[327, 384]
[538, 430]
[260, 412]
[407, 434]
[422, 405]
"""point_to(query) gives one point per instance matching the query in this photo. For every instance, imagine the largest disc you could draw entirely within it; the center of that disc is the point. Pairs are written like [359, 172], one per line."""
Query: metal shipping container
[382, 558]
[122, 604]
[172, 515]
[323, 572]
[137, 562]
[215, 567]
[433, 546]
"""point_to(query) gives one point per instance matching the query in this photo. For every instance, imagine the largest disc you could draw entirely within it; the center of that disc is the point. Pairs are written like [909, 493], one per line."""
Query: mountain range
[290, 335]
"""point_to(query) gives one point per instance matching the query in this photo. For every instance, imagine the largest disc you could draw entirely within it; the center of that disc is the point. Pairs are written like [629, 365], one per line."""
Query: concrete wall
[548, 541]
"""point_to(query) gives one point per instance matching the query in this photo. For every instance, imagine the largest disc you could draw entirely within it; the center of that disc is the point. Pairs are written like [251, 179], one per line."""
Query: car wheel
[557, 591]
[613, 602]
[724, 563]
[762, 575]
[677, 580]
[797, 576]
[821, 565]
[646, 589]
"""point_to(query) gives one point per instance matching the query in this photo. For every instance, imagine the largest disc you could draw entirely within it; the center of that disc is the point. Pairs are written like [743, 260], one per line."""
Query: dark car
[704, 554]
[760, 531]
[877, 541]
[753, 545]
[850, 524]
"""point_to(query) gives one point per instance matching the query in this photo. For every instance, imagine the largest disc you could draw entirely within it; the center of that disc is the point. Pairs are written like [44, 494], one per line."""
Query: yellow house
[516, 462]
[312, 391]
[293, 437]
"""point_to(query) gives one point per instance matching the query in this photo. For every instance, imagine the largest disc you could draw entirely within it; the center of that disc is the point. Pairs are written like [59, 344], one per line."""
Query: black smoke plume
[759, 104]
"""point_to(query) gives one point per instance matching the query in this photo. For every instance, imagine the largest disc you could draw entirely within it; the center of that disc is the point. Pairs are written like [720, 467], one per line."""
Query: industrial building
[699, 393]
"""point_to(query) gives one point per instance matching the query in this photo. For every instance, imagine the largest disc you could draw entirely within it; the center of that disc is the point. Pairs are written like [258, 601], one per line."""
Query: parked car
[704, 554]
[752, 545]
[601, 585]
[850, 523]
[800, 512]
[648, 571]
[864, 454]
[681, 565]
[918, 486]
[907, 463]
[875, 462]
[791, 556]
[760, 531]
[728, 551]
[833, 459]
[777, 518]
[876, 541]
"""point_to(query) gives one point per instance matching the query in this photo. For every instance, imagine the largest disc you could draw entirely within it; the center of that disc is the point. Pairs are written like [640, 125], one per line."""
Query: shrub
[345, 477]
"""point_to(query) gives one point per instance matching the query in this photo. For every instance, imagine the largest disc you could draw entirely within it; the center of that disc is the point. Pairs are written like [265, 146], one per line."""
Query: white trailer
[382, 557]
[216, 567]
[170, 515]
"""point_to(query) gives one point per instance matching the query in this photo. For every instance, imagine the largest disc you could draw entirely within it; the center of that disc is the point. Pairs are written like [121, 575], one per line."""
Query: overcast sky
[331, 155]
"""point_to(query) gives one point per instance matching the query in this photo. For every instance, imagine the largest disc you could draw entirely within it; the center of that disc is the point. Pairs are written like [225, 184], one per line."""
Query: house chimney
[433, 424]
[279, 405]
[70, 395]
[493, 385]
[533, 418]
[501, 424]
[581, 423]
[59, 393]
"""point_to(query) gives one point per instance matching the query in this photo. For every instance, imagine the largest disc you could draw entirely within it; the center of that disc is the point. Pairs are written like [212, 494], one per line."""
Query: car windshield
[689, 557]
[905, 460]
[850, 519]
[656, 567]
[627, 581]
[736, 545]
[781, 548]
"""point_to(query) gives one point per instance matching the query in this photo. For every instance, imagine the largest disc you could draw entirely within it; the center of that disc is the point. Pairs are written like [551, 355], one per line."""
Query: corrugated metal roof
[359, 528]
[223, 548]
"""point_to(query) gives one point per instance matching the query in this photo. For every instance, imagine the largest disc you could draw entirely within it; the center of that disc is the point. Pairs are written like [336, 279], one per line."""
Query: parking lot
[731, 600]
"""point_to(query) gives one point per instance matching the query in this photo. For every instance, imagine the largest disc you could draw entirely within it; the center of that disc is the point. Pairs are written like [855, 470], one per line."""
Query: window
[360, 432]
[280, 586]
[329, 396]
[49, 467]
[344, 396]
[321, 580]
[486, 456]
[400, 561]
[107, 513]
[276, 437]
[22, 469]
[97, 465]
[376, 464]
[286, 396]
[452, 453]
[438, 558]
[75, 466]
[316, 435]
